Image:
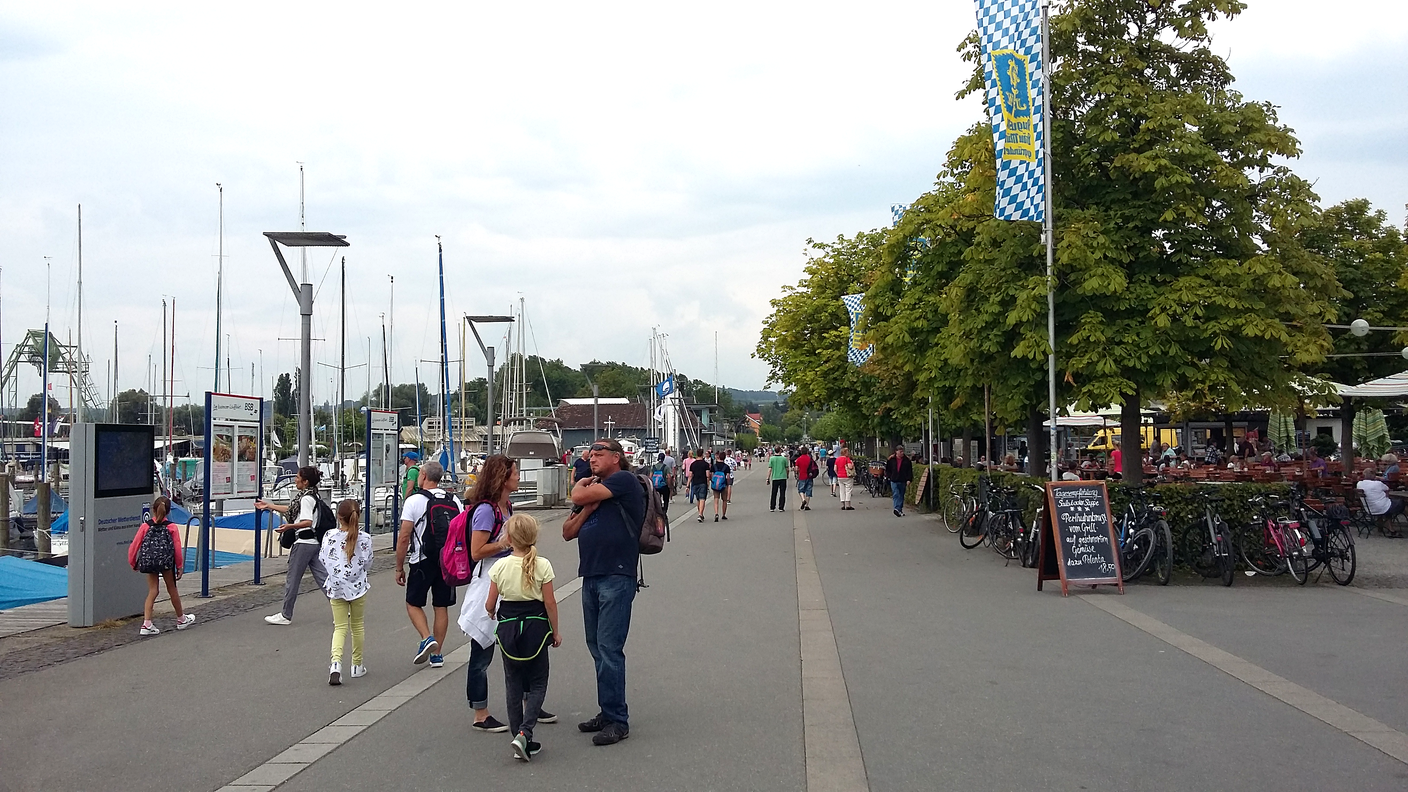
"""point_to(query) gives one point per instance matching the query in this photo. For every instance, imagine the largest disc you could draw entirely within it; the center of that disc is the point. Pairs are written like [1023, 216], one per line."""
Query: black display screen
[123, 463]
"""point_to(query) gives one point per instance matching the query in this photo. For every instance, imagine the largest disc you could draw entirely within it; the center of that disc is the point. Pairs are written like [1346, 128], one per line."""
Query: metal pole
[305, 387]
[5, 511]
[596, 409]
[445, 366]
[1050, 226]
[489, 408]
[219, 284]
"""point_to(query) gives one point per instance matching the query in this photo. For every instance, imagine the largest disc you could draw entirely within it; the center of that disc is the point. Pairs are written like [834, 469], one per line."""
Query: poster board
[1078, 542]
[383, 442]
[234, 451]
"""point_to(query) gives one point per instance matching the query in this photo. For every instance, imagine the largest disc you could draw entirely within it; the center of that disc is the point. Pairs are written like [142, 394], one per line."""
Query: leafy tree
[746, 441]
[770, 433]
[284, 403]
[35, 406]
[793, 433]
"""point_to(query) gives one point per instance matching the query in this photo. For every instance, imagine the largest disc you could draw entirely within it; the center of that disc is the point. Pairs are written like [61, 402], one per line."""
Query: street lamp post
[304, 293]
[489, 358]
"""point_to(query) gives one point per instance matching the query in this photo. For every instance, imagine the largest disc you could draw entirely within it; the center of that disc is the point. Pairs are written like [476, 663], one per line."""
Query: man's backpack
[440, 511]
[654, 530]
[456, 565]
[719, 481]
[157, 552]
[813, 470]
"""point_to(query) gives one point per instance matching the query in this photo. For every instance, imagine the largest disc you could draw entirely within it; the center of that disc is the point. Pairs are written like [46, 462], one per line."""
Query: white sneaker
[335, 674]
[150, 629]
[277, 618]
[359, 671]
[187, 620]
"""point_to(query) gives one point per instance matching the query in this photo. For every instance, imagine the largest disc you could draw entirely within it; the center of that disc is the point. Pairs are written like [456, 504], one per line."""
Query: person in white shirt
[424, 579]
[347, 556]
[1380, 505]
[301, 515]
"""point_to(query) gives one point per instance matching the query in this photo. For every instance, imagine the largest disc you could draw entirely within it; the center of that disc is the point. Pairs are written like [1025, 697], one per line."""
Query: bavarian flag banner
[1010, 35]
[858, 352]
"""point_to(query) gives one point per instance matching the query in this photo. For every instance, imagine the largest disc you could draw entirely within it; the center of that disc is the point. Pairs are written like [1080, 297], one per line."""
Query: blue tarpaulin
[56, 504]
[27, 582]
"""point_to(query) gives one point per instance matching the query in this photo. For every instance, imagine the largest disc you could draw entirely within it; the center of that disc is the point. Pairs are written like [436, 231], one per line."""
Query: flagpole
[1050, 226]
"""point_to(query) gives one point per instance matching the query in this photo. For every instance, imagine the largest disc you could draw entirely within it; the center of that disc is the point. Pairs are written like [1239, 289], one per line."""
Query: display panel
[123, 464]
[222, 454]
[247, 462]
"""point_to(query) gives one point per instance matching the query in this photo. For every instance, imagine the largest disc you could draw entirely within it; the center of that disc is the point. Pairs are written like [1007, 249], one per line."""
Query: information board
[233, 468]
[1078, 542]
[383, 443]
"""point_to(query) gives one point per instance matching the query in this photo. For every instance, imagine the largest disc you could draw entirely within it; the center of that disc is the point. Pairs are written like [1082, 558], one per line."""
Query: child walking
[527, 618]
[346, 554]
[156, 551]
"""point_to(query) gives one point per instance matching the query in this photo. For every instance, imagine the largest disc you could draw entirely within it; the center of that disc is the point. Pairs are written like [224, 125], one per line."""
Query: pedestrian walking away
[720, 479]
[346, 554]
[899, 471]
[806, 472]
[157, 553]
[732, 461]
[301, 517]
[608, 510]
[777, 474]
[660, 477]
[425, 522]
[699, 472]
[845, 477]
[831, 474]
[521, 599]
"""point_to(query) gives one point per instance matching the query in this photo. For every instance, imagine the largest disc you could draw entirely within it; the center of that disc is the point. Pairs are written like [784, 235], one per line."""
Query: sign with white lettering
[1078, 543]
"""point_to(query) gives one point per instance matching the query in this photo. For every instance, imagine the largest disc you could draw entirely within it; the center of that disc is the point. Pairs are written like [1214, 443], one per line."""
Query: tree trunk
[1132, 463]
[967, 445]
[1037, 436]
[1347, 435]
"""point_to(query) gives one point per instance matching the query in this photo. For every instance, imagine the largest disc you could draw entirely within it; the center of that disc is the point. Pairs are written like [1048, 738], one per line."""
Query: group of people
[509, 597]
[807, 462]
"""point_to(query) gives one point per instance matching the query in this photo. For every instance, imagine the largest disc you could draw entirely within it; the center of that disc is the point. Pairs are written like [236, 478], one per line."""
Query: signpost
[1078, 542]
[234, 448]
[383, 443]
[652, 445]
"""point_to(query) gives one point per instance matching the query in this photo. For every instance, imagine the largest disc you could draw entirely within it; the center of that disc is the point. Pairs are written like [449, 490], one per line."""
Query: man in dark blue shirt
[581, 467]
[608, 509]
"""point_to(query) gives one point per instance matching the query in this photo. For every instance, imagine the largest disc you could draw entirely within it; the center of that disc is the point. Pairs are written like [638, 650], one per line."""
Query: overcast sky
[619, 165]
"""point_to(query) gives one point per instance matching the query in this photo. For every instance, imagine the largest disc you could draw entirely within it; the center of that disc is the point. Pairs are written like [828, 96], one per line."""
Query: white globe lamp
[1359, 327]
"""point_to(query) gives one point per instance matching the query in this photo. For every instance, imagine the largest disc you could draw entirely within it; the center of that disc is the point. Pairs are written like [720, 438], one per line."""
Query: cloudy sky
[622, 166]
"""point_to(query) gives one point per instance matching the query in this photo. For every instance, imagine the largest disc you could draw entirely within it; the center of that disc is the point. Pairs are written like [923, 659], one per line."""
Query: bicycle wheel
[1261, 554]
[1339, 554]
[951, 512]
[1226, 561]
[1003, 539]
[1200, 552]
[1163, 553]
[1136, 554]
[973, 530]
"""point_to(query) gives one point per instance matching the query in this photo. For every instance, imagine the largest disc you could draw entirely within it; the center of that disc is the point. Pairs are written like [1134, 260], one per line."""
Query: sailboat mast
[219, 283]
[342, 366]
[445, 365]
[44, 391]
[164, 390]
[171, 386]
[78, 349]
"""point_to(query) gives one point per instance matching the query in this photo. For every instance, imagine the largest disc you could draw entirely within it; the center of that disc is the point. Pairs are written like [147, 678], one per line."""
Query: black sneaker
[596, 724]
[716, 518]
[546, 717]
[897, 512]
[611, 734]
[534, 748]
[491, 725]
[725, 516]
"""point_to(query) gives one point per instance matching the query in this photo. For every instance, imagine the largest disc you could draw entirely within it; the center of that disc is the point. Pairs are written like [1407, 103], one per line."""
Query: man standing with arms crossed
[607, 512]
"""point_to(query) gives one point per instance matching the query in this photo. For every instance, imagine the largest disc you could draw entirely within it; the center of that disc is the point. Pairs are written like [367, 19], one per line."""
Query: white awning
[1390, 386]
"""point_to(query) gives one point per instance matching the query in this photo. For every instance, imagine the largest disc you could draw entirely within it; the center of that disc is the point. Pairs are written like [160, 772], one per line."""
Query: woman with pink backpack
[488, 542]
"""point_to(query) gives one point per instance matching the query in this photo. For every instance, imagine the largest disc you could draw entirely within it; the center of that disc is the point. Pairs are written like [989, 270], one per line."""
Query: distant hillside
[761, 396]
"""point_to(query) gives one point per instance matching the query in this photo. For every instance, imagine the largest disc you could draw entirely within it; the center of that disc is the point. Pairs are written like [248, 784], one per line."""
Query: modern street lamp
[304, 294]
[488, 357]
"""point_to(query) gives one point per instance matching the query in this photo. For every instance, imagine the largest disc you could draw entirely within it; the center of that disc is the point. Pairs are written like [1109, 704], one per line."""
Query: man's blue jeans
[897, 489]
[606, 615]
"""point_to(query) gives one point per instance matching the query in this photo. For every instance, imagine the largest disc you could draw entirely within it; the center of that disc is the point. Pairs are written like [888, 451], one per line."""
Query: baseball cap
[414, 456]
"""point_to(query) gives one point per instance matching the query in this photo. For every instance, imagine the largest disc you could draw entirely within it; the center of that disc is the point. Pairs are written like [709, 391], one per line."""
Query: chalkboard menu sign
[1078, 542]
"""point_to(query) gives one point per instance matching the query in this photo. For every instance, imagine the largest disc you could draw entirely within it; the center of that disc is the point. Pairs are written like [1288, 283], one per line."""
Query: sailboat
[531, 445]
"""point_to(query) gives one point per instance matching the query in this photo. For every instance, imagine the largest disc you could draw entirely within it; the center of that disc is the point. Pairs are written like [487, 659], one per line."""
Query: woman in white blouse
[346, 554]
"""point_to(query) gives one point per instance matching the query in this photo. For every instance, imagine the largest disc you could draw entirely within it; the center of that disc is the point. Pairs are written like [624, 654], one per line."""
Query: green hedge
[1181, 501]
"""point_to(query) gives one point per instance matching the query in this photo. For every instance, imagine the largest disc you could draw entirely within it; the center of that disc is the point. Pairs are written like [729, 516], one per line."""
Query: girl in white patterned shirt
[347, 556]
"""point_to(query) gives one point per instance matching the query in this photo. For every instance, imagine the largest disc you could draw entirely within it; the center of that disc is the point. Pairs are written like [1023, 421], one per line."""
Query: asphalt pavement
[763, 646]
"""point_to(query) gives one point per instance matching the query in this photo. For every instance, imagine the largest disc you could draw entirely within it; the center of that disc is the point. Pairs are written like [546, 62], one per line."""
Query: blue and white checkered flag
[856, 352]
[1010, 32]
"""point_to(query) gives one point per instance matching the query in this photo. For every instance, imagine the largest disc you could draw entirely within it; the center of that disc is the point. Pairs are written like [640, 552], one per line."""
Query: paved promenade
[819, 650]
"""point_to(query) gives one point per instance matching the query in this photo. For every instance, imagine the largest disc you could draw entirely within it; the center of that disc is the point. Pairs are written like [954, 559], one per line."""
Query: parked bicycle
[960, 502]
[1146, 543]
[1207, 545]
[1331, 537]
[1275, 544]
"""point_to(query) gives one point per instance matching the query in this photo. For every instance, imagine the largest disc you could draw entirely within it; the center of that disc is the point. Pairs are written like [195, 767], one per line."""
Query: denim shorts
[804, 487]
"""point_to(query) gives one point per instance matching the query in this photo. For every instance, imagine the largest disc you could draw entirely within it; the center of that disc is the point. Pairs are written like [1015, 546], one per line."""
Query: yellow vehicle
[1109, 439]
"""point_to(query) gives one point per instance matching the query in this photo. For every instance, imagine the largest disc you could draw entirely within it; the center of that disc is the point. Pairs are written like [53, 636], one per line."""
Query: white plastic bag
[474, 620]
